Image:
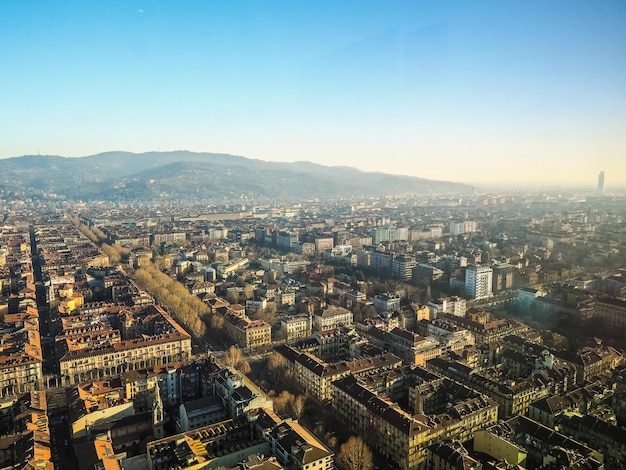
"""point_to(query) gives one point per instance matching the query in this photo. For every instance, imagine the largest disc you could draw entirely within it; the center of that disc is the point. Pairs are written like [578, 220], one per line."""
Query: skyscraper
[601, 183]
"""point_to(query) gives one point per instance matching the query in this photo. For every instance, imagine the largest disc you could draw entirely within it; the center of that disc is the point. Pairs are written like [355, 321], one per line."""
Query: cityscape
[473, 331]
[313, 235]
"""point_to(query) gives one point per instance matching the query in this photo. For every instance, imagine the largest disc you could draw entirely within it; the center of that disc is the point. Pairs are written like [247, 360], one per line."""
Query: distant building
[601, 183]
[463, 226]
[402, 267]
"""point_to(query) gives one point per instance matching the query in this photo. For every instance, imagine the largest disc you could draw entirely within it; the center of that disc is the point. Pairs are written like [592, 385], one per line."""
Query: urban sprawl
[474, 332]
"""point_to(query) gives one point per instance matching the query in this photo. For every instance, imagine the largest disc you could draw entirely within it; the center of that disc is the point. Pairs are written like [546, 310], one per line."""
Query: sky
[492, 92]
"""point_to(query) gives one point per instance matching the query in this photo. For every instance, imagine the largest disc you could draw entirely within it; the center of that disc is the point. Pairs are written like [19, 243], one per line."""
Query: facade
[403, 436]
[247, 333]
[297, 326]
[314, 376]
[502, 277]
[200, 413]
[332, 317]
[610, 313]
[411, 347]
[402, 267]
[478, 282]
[385, 302]
[323, 244]
[463, 226]
[79, 361]
[453, 305]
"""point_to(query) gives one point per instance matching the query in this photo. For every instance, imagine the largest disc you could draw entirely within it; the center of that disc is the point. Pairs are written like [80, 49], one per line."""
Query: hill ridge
[180, 174]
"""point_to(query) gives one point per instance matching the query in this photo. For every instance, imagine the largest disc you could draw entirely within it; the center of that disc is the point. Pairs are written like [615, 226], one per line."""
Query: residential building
[247, 333]
[297, 326]
[478, 281]
[332, 317]
[386, 302]
[438, 409]
[502, 277]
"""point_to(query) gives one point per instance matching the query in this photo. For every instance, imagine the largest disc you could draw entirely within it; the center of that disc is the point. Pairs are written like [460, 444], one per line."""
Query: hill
[187, 175]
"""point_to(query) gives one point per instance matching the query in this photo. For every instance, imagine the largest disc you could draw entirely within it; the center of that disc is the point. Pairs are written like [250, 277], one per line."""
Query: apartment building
[591, 362]
[21, 354]
[247, 333]
[386, 301]
[610, 314]
[332, 317]
[441, 409]
[314, 376]
[297, 326]
[411, 347]
[149, 337]
[513, 396]
[478, 282]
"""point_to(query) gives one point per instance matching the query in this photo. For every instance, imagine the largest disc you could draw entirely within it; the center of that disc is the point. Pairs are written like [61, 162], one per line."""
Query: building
[238, 394]
[85, 411]
[223, 444]
[478, 282]
[426, 272]
[402, 267]
[463, 226]
[323, 244]
[453, 305]
[411, 347]
[438, 409]
[513, 396]
[502, 277]
[610, 314]
[297, 326]
[247, 333]
[386, 302]
[201, 412]
[21, 354]
[332, 317]
[297, 448]
[314, 376]
[90, 349]
[450, 455]
[601, 183]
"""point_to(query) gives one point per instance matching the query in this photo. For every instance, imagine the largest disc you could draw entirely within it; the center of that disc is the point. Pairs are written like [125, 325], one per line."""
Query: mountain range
[120, 176]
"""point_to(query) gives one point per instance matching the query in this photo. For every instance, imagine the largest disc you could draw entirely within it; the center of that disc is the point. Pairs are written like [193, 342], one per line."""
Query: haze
[477, 92]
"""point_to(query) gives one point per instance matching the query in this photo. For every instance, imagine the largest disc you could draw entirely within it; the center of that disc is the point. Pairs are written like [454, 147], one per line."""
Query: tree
[233, 356]
[235, 359]
[217, 321]
[297, 406]
[355, 455]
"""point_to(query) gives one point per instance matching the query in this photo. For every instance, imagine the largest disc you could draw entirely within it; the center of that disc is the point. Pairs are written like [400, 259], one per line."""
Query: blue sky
[480, 92]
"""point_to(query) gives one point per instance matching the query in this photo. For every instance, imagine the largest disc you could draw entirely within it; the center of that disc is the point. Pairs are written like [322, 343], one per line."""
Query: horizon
[478, 185]
[518, 94]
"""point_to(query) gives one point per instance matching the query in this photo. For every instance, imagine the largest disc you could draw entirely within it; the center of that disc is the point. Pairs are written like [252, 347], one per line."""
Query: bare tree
[217, 321]
[355, 455]
[297, 406]
[235, 359]
[233, 356]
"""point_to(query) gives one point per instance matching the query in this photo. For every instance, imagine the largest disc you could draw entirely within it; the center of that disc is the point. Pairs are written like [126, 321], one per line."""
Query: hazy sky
[473, 91]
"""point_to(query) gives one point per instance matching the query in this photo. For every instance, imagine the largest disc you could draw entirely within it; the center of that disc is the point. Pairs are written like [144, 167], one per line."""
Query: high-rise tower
[601, 183]
[478, 281]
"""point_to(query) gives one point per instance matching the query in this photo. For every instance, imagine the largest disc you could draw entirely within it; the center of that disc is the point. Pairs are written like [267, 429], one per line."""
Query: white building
[478, 282]
[463, 226]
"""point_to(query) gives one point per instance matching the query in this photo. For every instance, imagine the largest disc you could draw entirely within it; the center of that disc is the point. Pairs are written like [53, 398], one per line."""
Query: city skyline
[448, 91]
